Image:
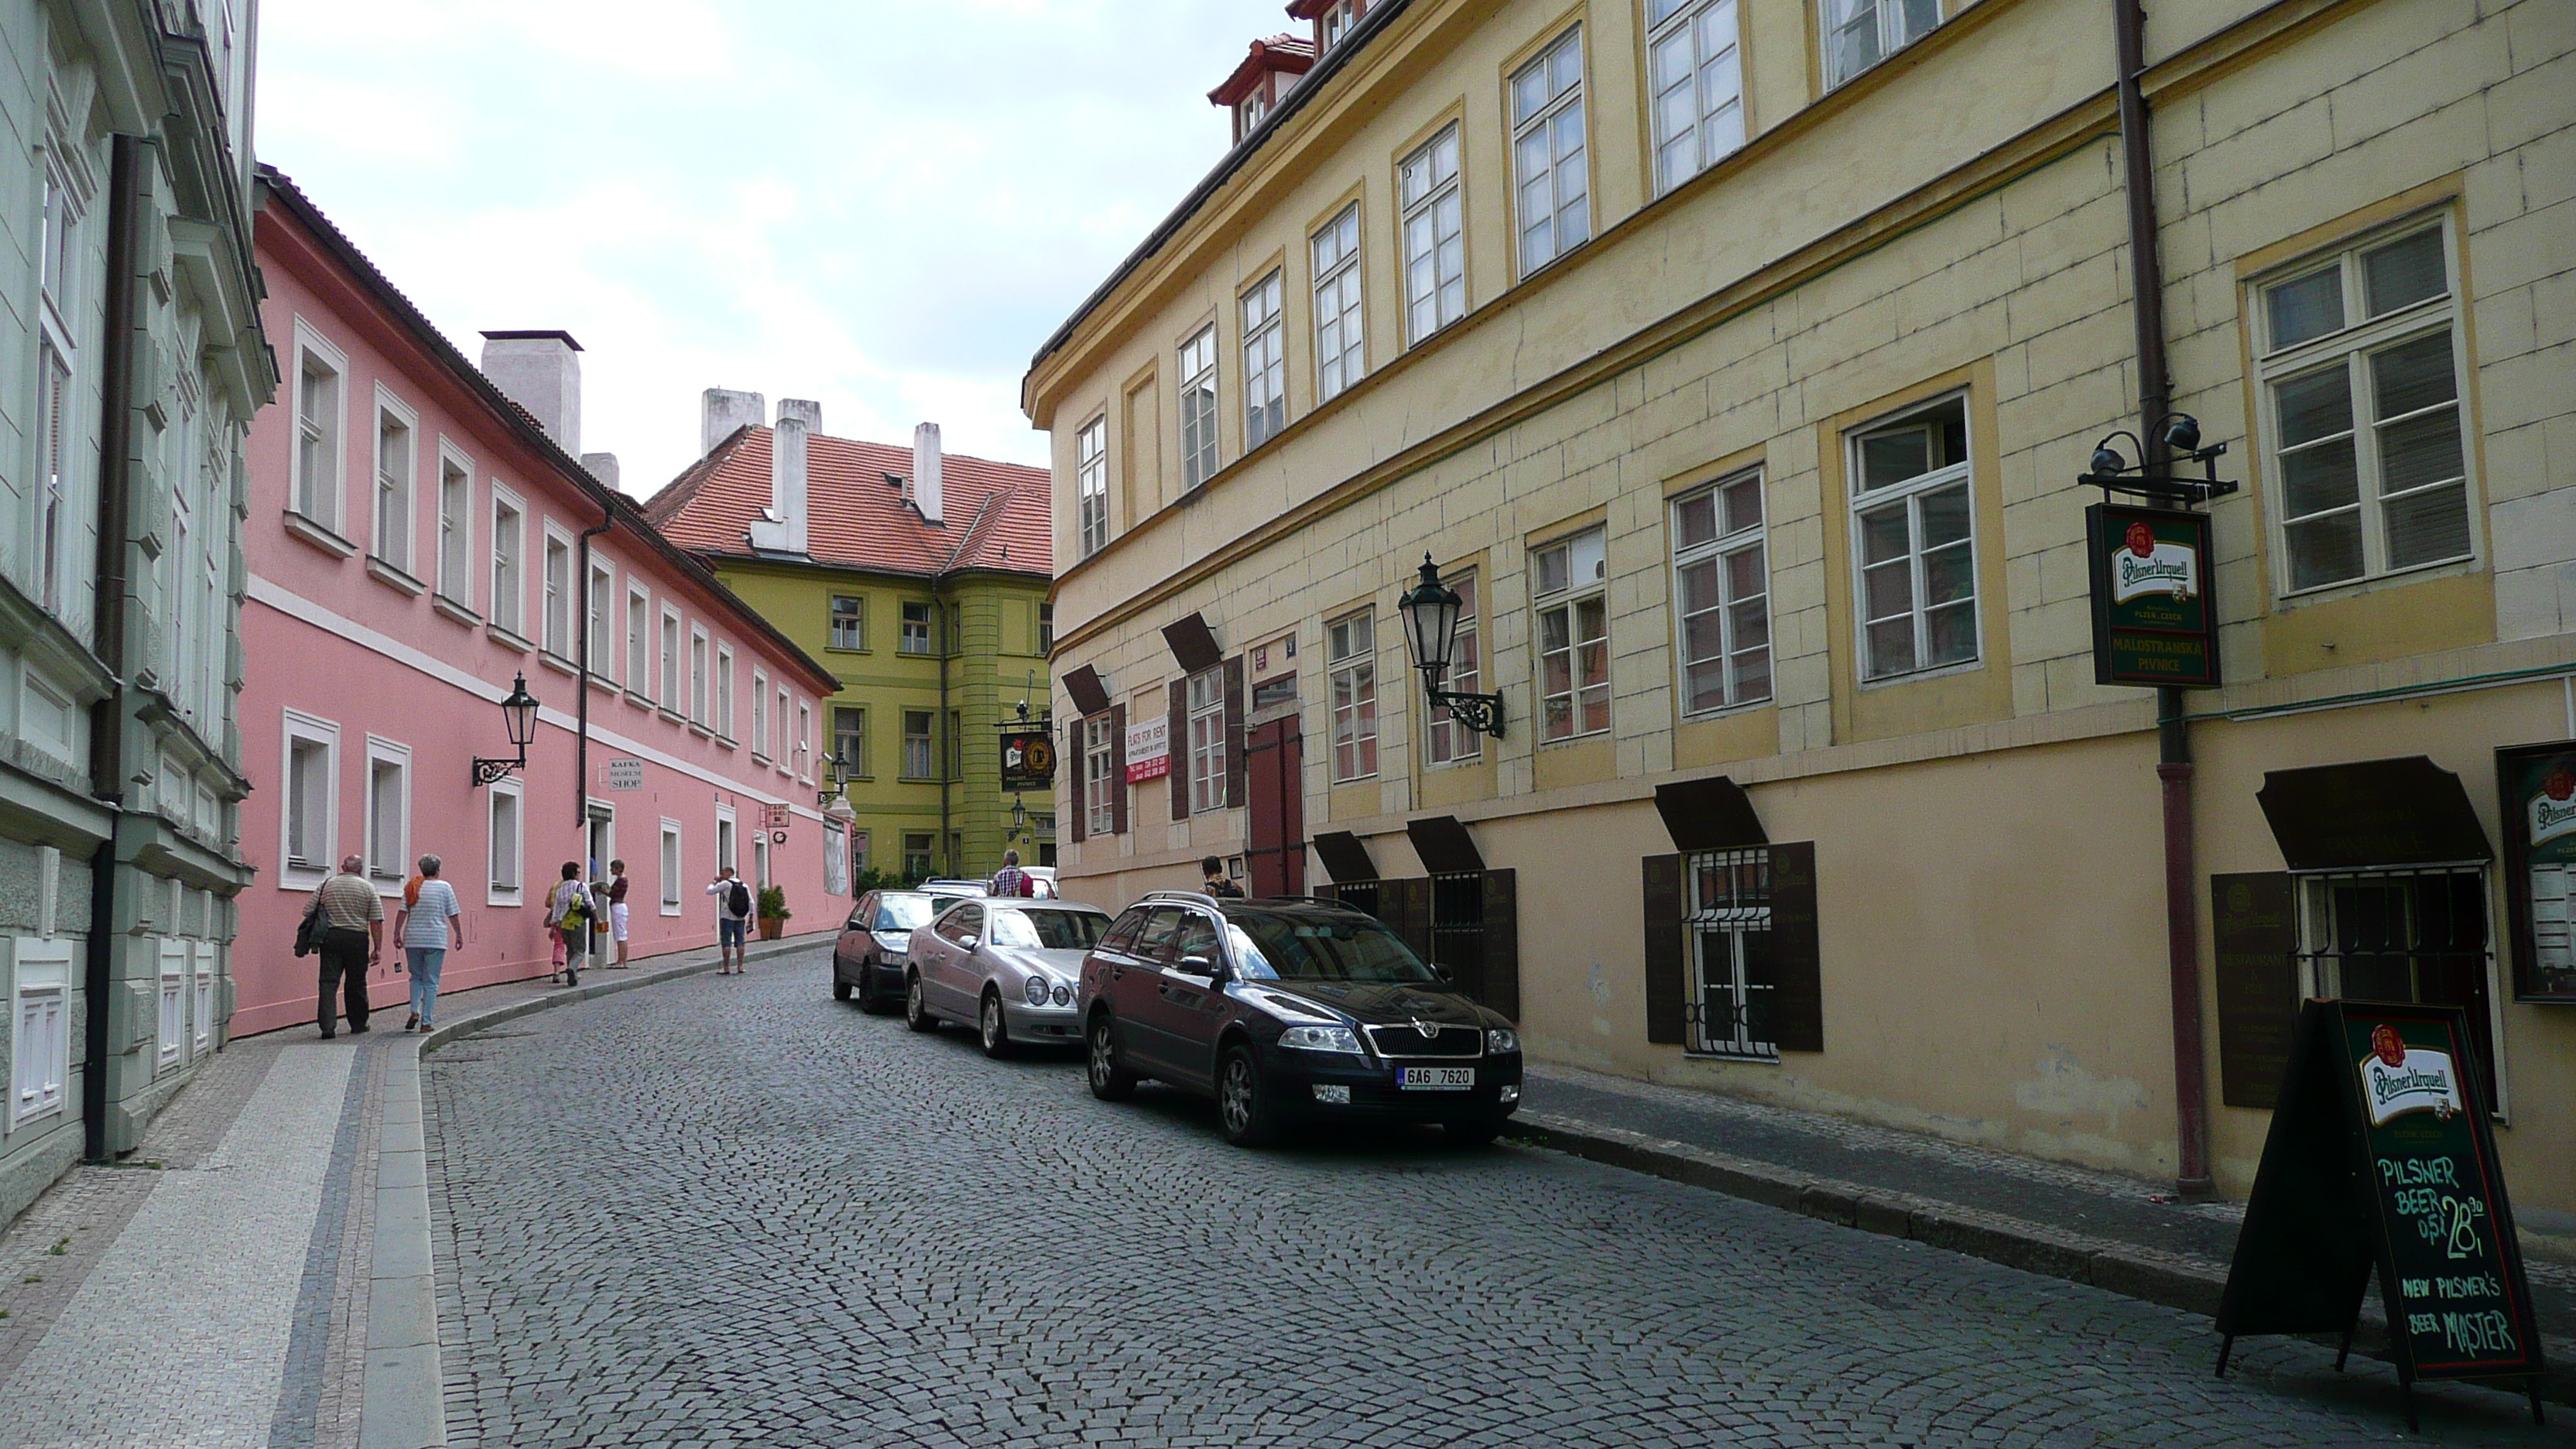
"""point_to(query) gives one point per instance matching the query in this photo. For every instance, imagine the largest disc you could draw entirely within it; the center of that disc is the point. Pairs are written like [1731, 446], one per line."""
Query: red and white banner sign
[1149, 750]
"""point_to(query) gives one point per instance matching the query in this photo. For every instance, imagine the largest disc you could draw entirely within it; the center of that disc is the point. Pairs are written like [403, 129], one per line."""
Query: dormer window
[1250, 113]
[1335, 23]
[1269, 70]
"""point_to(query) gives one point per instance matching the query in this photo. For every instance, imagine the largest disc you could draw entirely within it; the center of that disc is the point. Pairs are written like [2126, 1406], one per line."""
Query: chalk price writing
[2440, 1218]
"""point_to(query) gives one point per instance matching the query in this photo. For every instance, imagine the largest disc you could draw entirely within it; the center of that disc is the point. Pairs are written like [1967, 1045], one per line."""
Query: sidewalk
[2088, 1227]
[258, 1273]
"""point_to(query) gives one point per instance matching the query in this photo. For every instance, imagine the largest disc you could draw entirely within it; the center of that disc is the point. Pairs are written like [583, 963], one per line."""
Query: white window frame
[908, 642]
[1724, 919]
[846, 631]
[39, 1027]
[455, 527]
[929, 744]
[63, 463]
[170, 1022]
[673, 864]
[728, 839]
[1881, 27]
[505, 887]
[1350, 674]
[724, 692]
[639, 639]
[558, 623]
[672, 683]
[1568, 599]
[1203, 698]
[760, 715]
[1432, 226]
[312, 730]
[1911, 493]
[1732, 615]
[1196, 368]
[202, 981]
[1091, 484]
[602, 622]
[1335, 24]
[1448, 742]
[1099, 762]
[805, 742]
[760, 860]
[1265, 359]
[388, 874]
[2352, 346]
[396, 515]
[701, 680]
[1341, 305]
[1551, 154]
[321, 432]
[509, 562]
[779, 720]
[1695, 70]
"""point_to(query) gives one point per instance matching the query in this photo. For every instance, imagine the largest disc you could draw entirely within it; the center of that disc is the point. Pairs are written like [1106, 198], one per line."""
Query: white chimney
[721, 411]
[602, 466]
[540, 371]
[925, 471]
[782, 528]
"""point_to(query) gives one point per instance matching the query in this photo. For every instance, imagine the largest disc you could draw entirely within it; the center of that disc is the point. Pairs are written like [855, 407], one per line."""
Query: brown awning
[1344, 857]
[1444, 845]
[2372, 813]
[1710, 814]
[1089, 695]
[1193, 644]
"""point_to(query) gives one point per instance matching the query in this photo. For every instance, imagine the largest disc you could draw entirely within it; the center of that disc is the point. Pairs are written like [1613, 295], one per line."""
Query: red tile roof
[1279, 52]
[997, 513]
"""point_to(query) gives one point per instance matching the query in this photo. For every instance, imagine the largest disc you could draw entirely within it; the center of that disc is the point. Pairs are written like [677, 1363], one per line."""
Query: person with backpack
[1010, 880]
[733, 920]
[568, 912]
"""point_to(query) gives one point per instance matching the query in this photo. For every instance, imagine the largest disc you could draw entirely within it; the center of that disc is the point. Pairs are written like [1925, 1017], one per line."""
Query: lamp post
[519, 714]
[839, 776]
[1430, 613]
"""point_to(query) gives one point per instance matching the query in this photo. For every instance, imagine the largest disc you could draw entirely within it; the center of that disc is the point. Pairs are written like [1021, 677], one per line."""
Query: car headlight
[1063, 995]
[1501, 1042]
[1321, 1039]
[1035, 991]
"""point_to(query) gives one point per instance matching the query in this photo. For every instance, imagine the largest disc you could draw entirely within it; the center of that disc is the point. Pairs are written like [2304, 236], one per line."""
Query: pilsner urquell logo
[2553, 812]
[2398, 1079]
[2148, 565]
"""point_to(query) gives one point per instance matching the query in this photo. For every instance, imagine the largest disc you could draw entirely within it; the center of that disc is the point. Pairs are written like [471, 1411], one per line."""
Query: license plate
[1435, 1079]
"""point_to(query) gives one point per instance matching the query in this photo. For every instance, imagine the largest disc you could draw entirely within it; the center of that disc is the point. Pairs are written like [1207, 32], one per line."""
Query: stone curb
[2174, 1280]
[404, 1403]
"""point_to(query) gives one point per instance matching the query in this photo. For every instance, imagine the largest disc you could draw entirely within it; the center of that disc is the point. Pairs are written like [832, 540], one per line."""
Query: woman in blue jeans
[427, 928]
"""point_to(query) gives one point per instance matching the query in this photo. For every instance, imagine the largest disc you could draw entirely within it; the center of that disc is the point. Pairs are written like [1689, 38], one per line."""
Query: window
[1046, 628]
[850, 738]
[804, 741]
[759, 715]
[1435, 242]
[1350, 663]
[724, 691]
[312, 791]
[725, 838]
[388, 811]
[1265, 363]
[558, 619]
[836, 859]
[916, 854]
[1091, 484]
[1552, 173]
[1335, 23]
[602, 657]
[780, 753]
[1571, 591]
[2362, 380]
[1721, 594]
[509, 541]
[1450, 740]
[913, 632]
[455, 531]
[859, 848]
[40, 1032]
[670, 695]
[1206, 704]
[1728, 923]
[2403, 935]
[1913, 526]
[1099, 765]
[671, 867]
[698, 677]
[1860, 33]
[1698, 76]
[918, 762]
[204, 977]
[849, 622]
[1251, 111]
[392, 542]
[1198, 409]
[503, 852]
[317, 440]
[760, 860]
[1341, 334]
[170, 1038]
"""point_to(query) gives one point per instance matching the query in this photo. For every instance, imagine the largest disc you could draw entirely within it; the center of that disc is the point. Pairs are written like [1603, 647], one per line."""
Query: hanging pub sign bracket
[2114, 474]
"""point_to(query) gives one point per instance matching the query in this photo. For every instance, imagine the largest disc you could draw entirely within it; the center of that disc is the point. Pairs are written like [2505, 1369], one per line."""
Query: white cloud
[885, 206]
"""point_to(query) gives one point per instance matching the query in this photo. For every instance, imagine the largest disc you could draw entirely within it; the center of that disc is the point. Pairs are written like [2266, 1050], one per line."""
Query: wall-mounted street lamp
[1431, 627]
[519, 713]
[839, 778]
[1019, 820]
[2116, 474]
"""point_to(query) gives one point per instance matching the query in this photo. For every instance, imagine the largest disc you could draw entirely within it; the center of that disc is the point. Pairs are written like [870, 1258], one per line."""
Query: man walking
[617, 907]
[1010, 880]
[353, 940]
[733, 916]
[1218, 884]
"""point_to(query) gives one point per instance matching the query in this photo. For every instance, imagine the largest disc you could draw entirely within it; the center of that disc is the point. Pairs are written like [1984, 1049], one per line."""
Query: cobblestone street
[732, 1211]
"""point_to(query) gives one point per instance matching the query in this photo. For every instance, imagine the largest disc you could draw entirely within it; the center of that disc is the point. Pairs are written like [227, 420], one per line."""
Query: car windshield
[1049, 930]
[1325, 948]
[902, 913]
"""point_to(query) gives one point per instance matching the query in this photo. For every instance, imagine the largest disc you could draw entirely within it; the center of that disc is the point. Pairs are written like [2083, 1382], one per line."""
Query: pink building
[420, 536]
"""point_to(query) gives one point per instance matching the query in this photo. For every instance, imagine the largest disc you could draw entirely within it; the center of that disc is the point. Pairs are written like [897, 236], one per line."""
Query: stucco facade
[1934, 242]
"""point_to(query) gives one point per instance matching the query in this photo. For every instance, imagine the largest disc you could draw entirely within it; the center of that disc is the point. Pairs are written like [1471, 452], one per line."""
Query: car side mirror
[1441, 971]
[966, 943]
[1201, 966]
[853, 925]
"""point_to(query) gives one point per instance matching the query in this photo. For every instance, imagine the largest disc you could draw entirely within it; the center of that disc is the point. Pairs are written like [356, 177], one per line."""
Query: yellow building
[1736, 362]
[921, 581]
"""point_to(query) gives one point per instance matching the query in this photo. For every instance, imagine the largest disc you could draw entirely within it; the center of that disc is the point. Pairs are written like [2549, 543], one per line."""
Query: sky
[883, 206]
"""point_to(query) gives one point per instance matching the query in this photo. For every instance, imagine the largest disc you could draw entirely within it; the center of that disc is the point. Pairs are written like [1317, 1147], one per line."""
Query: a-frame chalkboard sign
[2380, 1156]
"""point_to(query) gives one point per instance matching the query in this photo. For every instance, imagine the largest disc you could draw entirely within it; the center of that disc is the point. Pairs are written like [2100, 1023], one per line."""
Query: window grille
[1727, 917]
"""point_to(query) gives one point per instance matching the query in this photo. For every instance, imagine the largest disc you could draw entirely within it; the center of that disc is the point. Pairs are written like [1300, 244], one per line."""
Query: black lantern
[519, 716]
[1019, 819]
[839, 776]
[1431, 629]
[2113, 473]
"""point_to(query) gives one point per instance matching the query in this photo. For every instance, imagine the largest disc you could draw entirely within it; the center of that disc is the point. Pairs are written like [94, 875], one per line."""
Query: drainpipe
[107, 717]
[581, 712]
[2173, 739]
[956, 749]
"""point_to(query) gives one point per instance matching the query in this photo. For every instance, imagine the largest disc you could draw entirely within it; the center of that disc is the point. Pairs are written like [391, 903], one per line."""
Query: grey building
[131, 361]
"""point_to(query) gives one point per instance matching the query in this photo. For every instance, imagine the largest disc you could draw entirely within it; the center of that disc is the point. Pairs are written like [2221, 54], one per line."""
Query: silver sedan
[1007, 967]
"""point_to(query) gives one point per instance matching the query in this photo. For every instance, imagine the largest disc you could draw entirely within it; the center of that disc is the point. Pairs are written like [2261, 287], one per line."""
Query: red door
[1274, 764]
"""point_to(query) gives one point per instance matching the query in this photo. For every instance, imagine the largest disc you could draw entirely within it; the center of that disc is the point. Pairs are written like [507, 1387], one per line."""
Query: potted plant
[773, 912]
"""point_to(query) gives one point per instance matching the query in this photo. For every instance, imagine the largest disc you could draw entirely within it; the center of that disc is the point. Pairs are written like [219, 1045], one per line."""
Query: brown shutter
[1663, 897]
[1234, 770]
[1503, 943]
[1081, 762]
[1405, 906]
[1177, 749]
[2255, 937]
[1798, 987]
[1118, 769]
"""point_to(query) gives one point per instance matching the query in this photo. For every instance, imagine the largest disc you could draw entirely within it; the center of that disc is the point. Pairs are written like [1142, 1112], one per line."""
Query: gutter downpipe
[956, 751]
[2173, 739]
[581, 733]
[107, 717]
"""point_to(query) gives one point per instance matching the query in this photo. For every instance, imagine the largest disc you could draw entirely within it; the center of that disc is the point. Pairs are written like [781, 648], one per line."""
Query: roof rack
[1195, 898]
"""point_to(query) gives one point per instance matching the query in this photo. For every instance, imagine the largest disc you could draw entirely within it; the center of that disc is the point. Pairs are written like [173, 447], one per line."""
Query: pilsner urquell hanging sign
[2153, 618]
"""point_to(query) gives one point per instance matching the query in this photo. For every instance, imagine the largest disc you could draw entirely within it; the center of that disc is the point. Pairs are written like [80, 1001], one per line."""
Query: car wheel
[916, 1014]
[1241, 1104]
[840, 988]
[1475, 1131]
[989, 1025]
[1110, 1081]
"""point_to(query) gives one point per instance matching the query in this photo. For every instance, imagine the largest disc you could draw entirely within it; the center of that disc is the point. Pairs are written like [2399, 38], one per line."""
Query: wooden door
[1274, 769]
